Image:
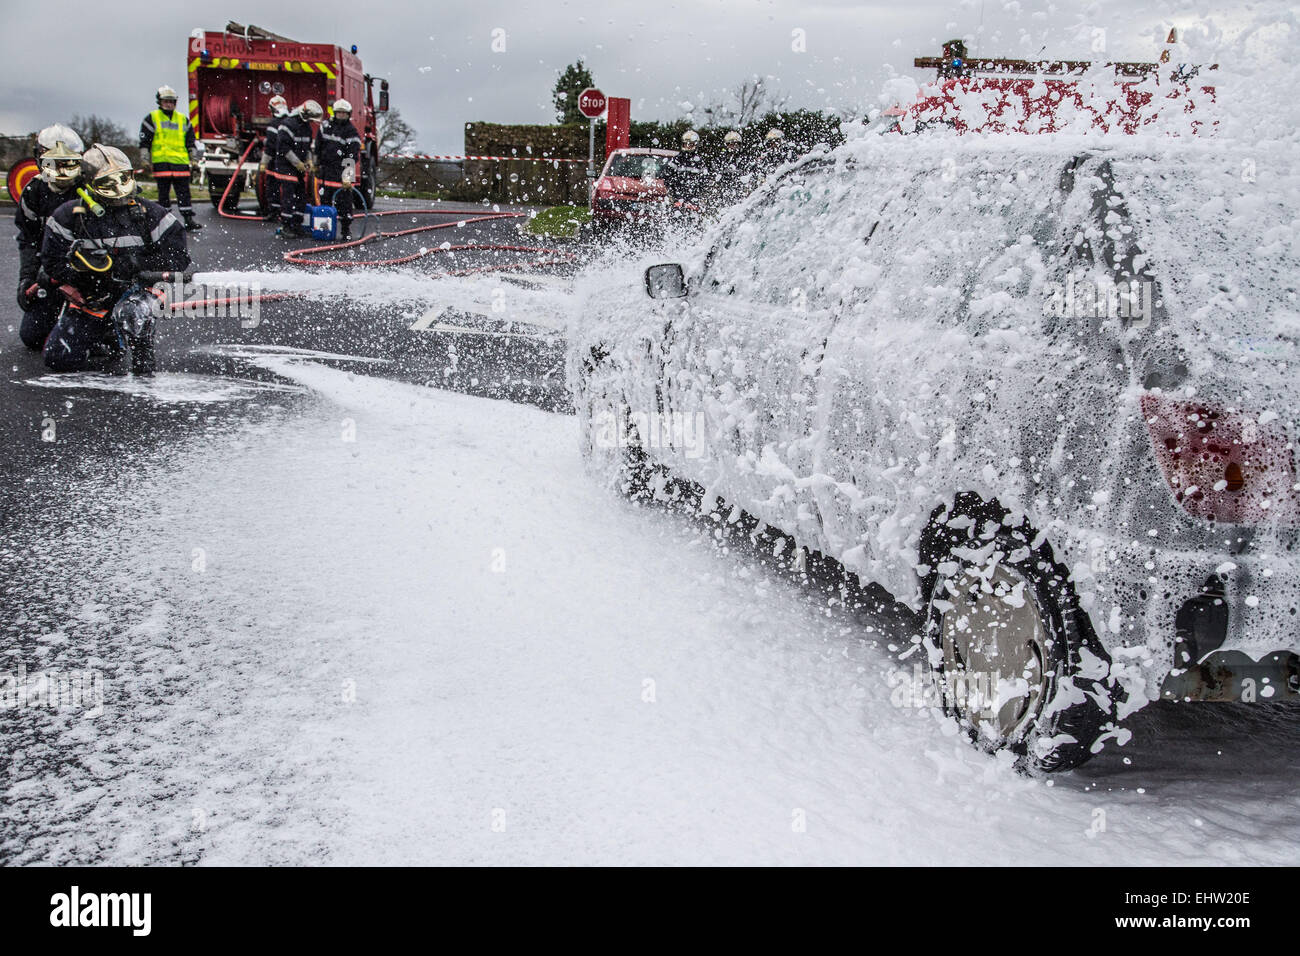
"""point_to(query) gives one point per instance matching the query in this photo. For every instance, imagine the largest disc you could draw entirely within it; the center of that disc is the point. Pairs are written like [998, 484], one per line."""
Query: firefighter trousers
[293, 202]
[174, 176]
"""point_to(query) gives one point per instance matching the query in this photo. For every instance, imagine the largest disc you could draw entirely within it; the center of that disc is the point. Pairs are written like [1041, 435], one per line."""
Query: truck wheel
[1015, 658]
[264, 182]
[368, 172]
[216, 186]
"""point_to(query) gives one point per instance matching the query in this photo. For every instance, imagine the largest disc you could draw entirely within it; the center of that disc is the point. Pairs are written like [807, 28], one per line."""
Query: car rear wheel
[1014, 657]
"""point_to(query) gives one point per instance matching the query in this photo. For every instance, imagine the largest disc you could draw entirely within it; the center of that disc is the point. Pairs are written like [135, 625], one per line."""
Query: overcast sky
[109, 58]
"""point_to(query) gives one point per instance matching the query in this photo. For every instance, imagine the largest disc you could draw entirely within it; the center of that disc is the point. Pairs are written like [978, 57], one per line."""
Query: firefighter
[294, 147]
[776, 151]
[169, 138]
[96, 260]
[734, 169]
[338, 150]
[684, 174]
[271, 164]
[58, 153]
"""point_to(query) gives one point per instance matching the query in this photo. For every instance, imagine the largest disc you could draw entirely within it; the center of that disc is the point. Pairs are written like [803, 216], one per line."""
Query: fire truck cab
[233, 73]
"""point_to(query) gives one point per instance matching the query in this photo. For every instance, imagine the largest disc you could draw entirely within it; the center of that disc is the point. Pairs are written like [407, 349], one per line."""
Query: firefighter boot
[192, 224]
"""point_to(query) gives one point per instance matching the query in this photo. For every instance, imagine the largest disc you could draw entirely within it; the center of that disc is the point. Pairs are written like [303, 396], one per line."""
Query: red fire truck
[233, 73]
[1007, 95]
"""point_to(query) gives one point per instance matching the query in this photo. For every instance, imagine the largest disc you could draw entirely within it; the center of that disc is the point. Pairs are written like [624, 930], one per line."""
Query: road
[329, 614]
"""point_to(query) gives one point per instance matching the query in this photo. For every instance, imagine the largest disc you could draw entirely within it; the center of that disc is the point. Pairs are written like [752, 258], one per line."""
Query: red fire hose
[217, 110]
[548, 257]
[300, 257]
[239, 165]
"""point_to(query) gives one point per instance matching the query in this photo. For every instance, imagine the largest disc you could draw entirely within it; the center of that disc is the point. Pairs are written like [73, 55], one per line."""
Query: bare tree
[100, 129]
[744, 104]
[395, 134]
[753, 99]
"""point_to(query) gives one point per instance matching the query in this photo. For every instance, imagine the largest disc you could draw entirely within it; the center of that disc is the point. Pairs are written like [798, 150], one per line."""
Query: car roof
[643, 151]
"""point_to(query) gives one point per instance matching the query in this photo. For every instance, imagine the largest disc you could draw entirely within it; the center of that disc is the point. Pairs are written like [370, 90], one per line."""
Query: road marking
[423, 322]
[430, 322]
[463, 330]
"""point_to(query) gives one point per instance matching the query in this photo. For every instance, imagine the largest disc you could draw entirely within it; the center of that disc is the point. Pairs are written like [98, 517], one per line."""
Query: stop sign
[591, 102]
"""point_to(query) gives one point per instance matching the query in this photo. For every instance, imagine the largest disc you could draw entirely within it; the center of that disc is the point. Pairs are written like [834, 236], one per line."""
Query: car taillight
[1223, 465]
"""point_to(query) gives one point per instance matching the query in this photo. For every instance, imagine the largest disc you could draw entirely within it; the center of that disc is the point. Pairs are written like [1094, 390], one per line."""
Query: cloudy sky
[663, 55]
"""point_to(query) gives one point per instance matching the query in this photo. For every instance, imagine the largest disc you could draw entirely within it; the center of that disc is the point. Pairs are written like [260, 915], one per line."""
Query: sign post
[618, 118]
[591, 104]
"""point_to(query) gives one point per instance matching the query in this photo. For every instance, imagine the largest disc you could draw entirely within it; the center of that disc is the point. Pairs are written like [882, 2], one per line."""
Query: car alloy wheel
[994, 648]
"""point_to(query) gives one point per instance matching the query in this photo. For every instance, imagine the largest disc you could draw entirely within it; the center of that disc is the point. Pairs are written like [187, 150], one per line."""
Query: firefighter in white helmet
[272, 166]
[684, 174]
[734, 169]
[58, 155]
[169, 138]
[338, 151]
[776, 151]
[295, 145]
[98, 250]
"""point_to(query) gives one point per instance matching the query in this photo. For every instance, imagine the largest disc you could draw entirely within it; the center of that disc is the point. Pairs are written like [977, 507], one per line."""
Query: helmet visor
[116, 185]
[60, 172]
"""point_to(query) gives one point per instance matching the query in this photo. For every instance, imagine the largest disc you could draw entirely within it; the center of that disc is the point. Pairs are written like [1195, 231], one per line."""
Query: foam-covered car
[1044, 392]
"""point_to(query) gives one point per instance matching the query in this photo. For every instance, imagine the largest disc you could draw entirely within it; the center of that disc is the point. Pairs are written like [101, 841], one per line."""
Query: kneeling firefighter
[338, 150]
[58, 154]
[103, 252]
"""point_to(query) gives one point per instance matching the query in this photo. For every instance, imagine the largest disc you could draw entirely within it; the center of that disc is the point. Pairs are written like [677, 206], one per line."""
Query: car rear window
[636, 167]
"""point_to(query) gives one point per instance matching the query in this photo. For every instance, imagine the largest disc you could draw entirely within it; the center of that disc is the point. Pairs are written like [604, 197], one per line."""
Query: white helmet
[109, 173]
[342, 106]
[774, 135]
[732, 138]
[690, 139]
[165, 93]
[311, 110]
[58, 153]
[279, 105]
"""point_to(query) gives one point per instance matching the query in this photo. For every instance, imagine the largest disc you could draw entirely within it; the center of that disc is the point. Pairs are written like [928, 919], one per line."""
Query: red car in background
[630, 187]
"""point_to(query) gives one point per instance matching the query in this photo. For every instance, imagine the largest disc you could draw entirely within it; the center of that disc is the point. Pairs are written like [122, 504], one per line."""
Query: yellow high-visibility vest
[169, 137]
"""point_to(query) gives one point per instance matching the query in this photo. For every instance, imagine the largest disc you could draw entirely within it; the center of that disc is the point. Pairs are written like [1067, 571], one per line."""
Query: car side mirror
[665, 281]
[383, 96]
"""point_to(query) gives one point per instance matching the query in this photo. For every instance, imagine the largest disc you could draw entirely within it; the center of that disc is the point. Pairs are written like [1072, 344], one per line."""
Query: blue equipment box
[323, 221]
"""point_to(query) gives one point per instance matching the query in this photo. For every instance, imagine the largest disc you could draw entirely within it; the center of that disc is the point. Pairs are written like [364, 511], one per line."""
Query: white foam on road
[166, 388]
[421, 634]
[539, 298]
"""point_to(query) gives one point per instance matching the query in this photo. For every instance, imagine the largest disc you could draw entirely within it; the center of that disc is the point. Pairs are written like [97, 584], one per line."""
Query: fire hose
[301, 257]
[239, 165]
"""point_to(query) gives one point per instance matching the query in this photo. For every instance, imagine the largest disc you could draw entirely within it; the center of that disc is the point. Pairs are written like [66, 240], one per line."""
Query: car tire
[1015, 659]
[611, 443]
[615, 450]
